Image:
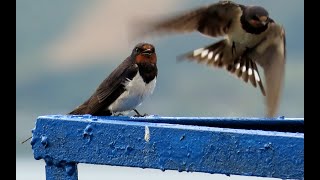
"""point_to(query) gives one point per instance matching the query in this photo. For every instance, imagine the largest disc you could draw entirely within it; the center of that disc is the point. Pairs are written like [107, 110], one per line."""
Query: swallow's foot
[138, 114]
[118, 114]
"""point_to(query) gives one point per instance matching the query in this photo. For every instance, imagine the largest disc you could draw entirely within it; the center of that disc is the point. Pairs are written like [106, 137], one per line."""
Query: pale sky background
[66, 48]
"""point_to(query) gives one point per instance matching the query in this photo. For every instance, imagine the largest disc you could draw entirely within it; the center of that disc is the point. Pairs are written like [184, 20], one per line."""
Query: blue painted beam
[280, 124]
[170, 143]
[61, 172]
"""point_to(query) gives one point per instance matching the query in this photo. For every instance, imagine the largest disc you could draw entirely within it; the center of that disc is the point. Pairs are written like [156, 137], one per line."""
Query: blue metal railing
[238, 146]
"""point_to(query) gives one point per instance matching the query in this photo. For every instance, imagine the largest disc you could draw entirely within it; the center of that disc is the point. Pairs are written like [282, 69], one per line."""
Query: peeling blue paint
[181, 143]
[44, 141]
[87, 132]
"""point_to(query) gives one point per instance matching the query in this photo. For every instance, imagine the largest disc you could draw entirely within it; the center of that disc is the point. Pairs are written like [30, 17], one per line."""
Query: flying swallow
[251, 38]
[126, 87]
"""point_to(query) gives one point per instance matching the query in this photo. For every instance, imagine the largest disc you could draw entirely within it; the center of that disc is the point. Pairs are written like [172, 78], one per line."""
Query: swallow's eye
[137, 49]
[255, 18]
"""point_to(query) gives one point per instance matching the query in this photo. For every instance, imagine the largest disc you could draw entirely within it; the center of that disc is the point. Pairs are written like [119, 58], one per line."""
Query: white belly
[136, 92]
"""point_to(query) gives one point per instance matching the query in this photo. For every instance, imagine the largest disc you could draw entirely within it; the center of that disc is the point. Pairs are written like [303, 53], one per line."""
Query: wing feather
[273, 61]
[213, 20]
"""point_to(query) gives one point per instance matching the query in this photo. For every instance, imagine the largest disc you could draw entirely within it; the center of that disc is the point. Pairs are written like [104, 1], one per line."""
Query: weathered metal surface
[151, 142]
[61, 172]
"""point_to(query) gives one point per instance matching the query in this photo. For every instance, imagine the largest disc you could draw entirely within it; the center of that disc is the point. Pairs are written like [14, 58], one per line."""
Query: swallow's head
[257, 16]
[144, 53]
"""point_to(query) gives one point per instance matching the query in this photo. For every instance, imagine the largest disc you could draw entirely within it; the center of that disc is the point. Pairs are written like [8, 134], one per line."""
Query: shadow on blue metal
[237, 146]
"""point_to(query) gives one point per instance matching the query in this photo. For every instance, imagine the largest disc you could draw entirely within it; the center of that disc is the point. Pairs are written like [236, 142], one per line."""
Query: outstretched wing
[272, 60]
[214, 20]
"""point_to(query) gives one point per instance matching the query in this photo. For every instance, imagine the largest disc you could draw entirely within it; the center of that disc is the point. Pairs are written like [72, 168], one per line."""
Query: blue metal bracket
[239, 146]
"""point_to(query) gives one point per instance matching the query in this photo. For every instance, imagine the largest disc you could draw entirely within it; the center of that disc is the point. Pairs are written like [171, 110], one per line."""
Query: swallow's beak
[264, 20]
[147, 52]
[263, 23]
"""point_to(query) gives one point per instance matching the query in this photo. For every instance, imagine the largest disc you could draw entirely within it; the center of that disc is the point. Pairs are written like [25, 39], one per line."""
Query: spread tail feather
[220, 55]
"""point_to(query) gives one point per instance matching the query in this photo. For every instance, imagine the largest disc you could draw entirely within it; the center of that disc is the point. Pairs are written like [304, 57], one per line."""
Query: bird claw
[139, 115]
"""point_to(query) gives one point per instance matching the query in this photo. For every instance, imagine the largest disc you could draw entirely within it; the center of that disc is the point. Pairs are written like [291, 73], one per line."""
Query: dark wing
[273, 61]
[111, 88]
[214, 20]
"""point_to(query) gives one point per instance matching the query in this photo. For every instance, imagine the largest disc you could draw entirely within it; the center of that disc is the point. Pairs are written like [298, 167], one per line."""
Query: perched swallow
[126, 87]
[251, 38]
